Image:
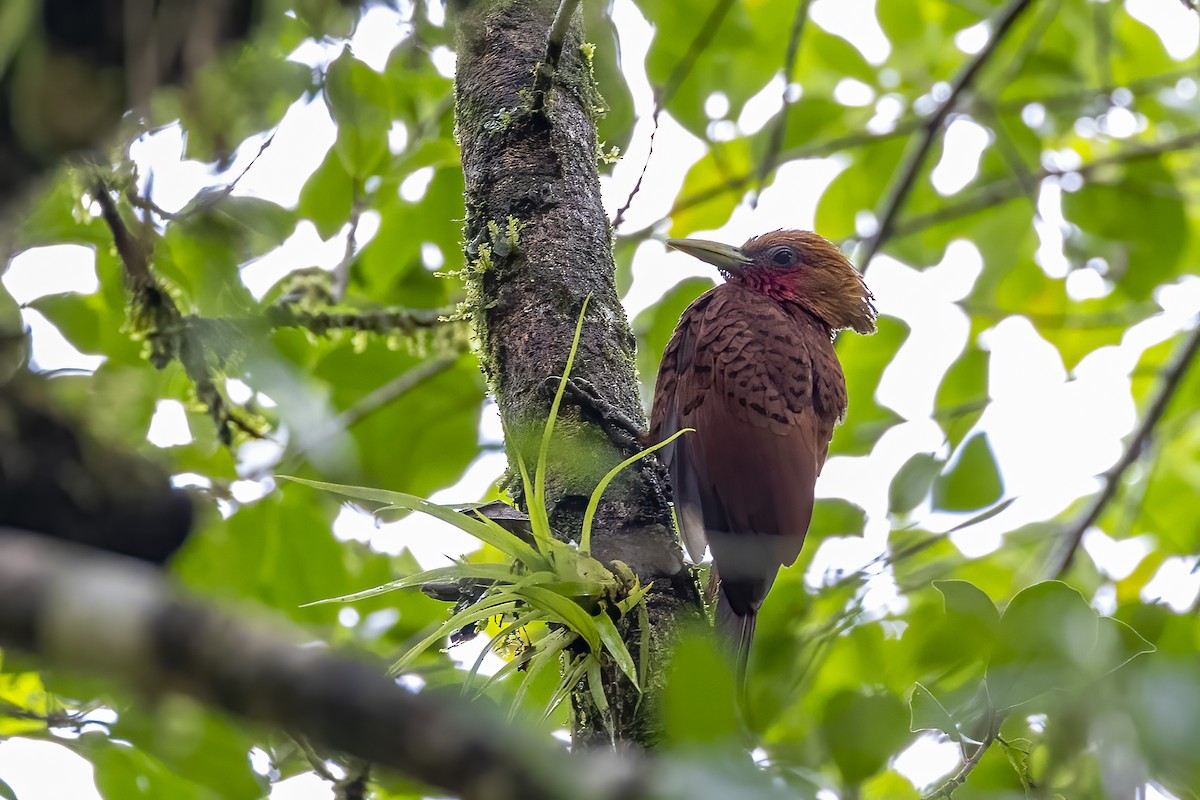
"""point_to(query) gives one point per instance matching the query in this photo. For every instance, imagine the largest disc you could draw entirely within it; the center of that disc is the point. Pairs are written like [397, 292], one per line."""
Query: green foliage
[1084, 688]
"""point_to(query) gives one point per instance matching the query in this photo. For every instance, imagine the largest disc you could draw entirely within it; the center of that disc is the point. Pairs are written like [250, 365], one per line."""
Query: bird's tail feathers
[737, 632]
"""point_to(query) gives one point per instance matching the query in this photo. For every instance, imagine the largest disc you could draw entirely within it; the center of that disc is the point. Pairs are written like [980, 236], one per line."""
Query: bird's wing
[740, 370]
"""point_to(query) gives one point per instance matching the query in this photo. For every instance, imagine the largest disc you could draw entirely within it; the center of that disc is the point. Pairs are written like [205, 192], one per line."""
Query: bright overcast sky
[1050, 436]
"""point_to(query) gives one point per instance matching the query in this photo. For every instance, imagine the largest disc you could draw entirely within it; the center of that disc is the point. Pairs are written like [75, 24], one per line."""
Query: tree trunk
[537, 244]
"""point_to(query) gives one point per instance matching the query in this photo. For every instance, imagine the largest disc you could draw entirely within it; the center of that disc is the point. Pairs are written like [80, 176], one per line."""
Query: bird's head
[797, 266]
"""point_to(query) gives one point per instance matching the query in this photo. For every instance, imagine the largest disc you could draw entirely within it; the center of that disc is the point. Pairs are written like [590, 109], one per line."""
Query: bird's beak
[725, 257]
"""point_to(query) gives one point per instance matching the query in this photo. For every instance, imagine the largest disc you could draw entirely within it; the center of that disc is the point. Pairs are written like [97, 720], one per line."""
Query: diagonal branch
[1137, 447]
[1002, 191]
[906, 180]
[789, 66]
[83, 610]
[704, 37]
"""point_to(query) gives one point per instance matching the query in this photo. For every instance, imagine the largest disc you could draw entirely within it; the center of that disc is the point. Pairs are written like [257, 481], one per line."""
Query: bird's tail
[737, 631]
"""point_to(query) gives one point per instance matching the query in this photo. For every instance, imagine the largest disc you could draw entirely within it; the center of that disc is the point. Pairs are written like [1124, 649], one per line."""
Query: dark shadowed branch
[915, 159]
[83, 610]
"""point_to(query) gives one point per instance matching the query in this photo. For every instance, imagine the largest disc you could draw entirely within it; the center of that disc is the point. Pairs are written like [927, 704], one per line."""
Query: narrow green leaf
[516, 624]
[616, 645]
[547, 650]
[560, 609]
[486, 607]
[481, 528]
[539, 477]
[585, 539]
[571, 678]
[596, 684]
[454, 572]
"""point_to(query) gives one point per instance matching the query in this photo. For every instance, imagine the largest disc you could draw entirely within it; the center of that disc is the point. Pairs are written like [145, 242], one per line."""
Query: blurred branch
[704, 37]
[154, 314]
[779, 129]
[1075, 97]
[82, 610]
[904, 183]
[1112, 479]
[390, 392]
[341, 272]
[554, 42]
[1002, 191]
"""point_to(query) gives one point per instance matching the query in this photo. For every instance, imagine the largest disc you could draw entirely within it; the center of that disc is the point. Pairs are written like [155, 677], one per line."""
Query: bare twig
[906, 179]
[960, 777]
[699, 44]
[341, 273]
[1137, 445]
[206, 199]
[789, 66]
[554, 42]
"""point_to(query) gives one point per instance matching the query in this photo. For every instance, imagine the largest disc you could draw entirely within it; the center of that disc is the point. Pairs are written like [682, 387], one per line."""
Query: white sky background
[1051, 435]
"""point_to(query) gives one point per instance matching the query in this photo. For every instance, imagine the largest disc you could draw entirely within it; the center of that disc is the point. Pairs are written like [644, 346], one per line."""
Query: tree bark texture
[538, 243]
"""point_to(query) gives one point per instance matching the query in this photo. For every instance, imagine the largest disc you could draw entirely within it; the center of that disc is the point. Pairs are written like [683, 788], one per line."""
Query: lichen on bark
[538, 167]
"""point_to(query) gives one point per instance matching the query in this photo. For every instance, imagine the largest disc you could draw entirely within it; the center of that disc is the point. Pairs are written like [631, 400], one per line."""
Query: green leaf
[490, 606]
[547, 651]
[6, 791]
[616, 645]
[1138, 223]
[833, 516]
[589, 515]
[1045, 641]
[864, 359]
[964, 634]
[481, 528]
[560, 609]
[928, 714]
[973, 481]
[699, 697]
[360, 103]
[845, 720]
[328, 196]
[488, 572]
[912, 482]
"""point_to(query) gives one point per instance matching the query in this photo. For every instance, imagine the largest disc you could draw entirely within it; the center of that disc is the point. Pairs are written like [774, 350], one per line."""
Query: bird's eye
[784, 257]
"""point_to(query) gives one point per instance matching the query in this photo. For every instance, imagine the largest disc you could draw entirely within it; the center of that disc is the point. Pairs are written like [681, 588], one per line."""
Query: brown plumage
[751, 367]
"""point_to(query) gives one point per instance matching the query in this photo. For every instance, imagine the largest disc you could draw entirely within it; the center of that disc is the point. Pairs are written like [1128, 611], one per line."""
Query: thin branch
[1137, 445]
[207, 198]
[341, 272]
[554, 43]
[779, 129]
[960, 777]
[907, 177]
[389, 393]
[682, 69]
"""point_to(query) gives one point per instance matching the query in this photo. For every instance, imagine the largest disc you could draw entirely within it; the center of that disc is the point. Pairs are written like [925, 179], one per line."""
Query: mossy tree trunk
[537, 244]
